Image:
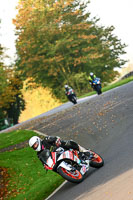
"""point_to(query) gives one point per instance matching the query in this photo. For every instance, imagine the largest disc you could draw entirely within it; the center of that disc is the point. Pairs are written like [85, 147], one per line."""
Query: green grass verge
[27, 177]
[117, 84]
[15, 137]
[111, 86]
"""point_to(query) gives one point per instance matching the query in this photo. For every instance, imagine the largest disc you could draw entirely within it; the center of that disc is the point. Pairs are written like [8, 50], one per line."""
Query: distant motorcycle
[71, 96]
[96, 84]
[68, 163]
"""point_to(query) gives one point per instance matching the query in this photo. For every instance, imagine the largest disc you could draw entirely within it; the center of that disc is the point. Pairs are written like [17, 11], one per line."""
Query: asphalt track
[110, 133]
[105, 124]
[27, 123]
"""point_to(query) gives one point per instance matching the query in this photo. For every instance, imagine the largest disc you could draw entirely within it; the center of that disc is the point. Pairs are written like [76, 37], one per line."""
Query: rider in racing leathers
[91, 78]
[67, 88]
[53, 142]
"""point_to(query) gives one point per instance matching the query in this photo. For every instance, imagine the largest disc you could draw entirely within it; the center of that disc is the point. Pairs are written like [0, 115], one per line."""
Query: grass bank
[26, 177]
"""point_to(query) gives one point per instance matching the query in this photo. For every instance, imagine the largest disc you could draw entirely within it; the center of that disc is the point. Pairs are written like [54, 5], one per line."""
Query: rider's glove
[58, 142]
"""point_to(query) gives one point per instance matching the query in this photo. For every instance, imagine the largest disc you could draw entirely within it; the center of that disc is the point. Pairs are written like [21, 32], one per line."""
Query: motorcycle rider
[92, 76]
[53, 142]
[67, 88]
[70, 93]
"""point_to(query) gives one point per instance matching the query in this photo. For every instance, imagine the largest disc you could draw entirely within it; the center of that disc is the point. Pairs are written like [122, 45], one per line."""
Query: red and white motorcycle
[69, 164]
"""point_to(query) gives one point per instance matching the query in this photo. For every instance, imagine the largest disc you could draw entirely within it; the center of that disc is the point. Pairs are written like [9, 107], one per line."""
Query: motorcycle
[70, 164]
[71, 96]
[96, 84]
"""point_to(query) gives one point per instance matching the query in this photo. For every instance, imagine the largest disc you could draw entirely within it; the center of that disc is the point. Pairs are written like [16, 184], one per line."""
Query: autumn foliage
[57, 40]
[37, 101]
[11, 98]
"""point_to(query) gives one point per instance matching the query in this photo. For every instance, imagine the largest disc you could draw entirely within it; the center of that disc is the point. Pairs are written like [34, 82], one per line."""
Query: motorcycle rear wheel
[74, 101]
[72, 176]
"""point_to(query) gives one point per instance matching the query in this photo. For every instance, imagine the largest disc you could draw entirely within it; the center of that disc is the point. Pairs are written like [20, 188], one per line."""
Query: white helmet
[91, 74]
[66, 86]
[36, 140]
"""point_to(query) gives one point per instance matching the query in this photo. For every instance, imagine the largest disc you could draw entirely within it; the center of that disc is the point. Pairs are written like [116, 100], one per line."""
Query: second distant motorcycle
[70, 94]
[96, 84]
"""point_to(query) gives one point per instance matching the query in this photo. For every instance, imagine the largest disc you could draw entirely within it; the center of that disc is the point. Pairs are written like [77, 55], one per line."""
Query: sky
[118, 13]
[7, 34]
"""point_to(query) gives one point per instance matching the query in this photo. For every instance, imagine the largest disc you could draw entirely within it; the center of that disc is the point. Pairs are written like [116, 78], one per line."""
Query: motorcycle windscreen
[96, 81]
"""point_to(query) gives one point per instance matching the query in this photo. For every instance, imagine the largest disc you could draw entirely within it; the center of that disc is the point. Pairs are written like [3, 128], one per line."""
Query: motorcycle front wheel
[98, 89]
[73, 176]
[74, 100]
[97, 161]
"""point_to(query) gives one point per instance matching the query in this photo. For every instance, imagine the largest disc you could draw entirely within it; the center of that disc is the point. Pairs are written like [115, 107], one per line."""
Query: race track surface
[105, 124]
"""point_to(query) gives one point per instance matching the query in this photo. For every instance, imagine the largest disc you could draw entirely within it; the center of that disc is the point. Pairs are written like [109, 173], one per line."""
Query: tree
[3, 79]
[16, 104]
[111, 48]
[11, 98]
[57, 41]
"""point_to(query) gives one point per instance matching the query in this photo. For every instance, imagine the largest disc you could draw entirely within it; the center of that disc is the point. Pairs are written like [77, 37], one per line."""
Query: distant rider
[67, 88]
[52, 143]
[92, 78]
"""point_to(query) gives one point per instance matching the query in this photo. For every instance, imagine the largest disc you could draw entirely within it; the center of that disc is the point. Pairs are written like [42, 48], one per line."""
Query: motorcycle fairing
[96, 81]
[68, 167]
[50, 163]
[52, 160]
[68, 154]
[70, 92]
[64, 165]
[84, 169]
